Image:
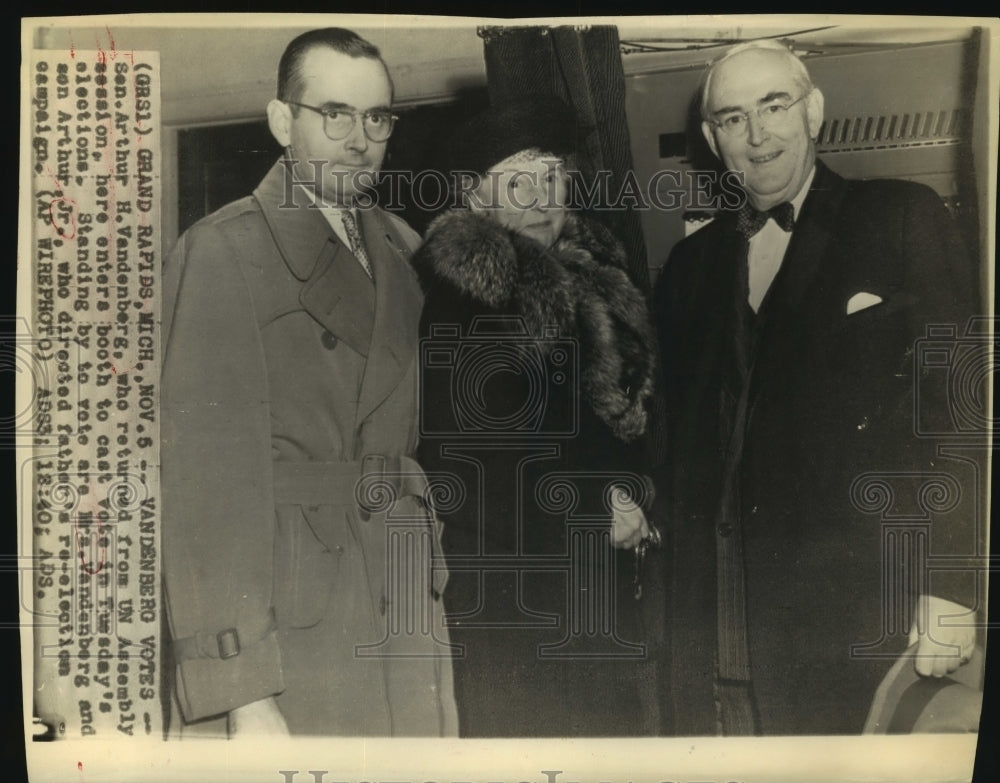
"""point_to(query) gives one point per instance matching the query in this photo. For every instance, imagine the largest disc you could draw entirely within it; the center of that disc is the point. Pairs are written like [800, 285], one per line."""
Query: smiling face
[527, 195]
[333, 80]
[776, 161]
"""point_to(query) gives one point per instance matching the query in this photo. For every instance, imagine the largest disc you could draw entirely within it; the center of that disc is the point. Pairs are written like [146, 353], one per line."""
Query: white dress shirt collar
[767, 250]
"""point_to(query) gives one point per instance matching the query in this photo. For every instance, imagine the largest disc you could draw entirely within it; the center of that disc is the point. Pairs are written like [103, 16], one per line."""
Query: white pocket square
[862, 301]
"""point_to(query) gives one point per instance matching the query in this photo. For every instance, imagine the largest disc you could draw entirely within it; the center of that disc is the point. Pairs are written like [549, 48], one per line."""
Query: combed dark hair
[290, 86]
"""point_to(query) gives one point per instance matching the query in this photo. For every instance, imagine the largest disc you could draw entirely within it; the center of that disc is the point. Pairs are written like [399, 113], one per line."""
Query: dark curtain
[582, 66]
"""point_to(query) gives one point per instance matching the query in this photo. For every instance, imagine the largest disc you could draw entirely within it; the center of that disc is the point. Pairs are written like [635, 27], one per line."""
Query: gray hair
[799, 72]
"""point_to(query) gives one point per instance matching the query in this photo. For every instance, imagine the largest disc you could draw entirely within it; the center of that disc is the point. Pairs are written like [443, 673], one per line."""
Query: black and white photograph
[415, 398]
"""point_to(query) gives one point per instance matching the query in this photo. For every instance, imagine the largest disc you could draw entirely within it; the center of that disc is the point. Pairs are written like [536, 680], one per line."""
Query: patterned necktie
[749, 221]
[357, 243]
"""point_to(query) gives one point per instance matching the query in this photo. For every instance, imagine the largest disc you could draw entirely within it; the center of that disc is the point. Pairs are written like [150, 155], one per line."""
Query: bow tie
[749, 221]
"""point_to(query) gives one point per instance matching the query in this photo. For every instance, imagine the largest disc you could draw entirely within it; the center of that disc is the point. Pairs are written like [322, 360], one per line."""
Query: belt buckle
[372, 463]
[372, 469]
[228, 642]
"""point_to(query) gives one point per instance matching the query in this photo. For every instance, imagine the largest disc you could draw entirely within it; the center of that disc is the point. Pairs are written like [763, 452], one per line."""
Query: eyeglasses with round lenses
[339, 123]
[770, 115]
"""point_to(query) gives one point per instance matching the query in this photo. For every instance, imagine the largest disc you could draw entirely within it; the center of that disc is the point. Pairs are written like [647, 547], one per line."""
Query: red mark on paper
[112, 52]
[71, 234]
[67, 210]
[84, 562]
[79, 766]
[116, 371]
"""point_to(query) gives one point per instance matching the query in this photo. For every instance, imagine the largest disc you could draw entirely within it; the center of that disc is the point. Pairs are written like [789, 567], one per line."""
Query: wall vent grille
[892, 131]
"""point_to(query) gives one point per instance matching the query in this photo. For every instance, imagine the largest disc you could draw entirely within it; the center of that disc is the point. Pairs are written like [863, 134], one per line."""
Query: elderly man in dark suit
[787, 334]
[296, 541]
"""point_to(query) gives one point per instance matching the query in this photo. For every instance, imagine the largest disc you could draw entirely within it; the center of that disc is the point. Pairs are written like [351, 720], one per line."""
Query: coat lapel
[816, 226]
[336, 291]
[721, 324]
[800, 290]
[711, 302]
[340, 296]
[398, 300]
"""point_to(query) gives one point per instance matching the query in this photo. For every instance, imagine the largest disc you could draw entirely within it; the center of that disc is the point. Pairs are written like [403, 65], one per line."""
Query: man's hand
[629, 524]
[941, 648]
[258, 718]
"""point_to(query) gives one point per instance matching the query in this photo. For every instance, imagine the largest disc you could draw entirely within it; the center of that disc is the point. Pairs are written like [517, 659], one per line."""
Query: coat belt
[374, 482]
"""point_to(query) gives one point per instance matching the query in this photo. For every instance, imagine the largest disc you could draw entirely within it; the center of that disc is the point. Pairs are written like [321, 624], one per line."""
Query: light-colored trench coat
[288, 377]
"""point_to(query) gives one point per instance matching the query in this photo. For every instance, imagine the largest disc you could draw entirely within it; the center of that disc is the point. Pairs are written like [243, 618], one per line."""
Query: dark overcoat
[832, 466]
[288, 377]
[537, 364]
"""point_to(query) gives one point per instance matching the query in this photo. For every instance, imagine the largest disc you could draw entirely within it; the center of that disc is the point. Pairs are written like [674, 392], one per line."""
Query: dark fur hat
[540, 122]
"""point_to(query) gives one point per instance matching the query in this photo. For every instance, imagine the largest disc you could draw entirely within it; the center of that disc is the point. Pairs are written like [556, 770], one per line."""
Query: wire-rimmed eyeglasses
[770, 115]
[338, 123]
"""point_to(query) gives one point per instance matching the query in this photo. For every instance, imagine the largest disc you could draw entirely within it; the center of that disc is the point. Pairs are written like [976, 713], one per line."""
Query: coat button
[725, 530]
[328, 340]
[364, 514]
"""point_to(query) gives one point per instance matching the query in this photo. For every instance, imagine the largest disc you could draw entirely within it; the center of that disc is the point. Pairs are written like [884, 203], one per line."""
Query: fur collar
[579, 285]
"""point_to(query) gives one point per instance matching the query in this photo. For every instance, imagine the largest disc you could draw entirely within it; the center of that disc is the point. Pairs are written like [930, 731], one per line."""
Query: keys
[655, 540]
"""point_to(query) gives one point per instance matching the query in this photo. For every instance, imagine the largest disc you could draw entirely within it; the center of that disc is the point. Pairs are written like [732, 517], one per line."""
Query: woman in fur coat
[537, 357]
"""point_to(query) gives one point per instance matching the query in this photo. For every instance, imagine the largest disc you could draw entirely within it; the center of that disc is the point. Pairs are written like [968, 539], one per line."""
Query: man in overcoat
[297, 543]
[795, 477]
